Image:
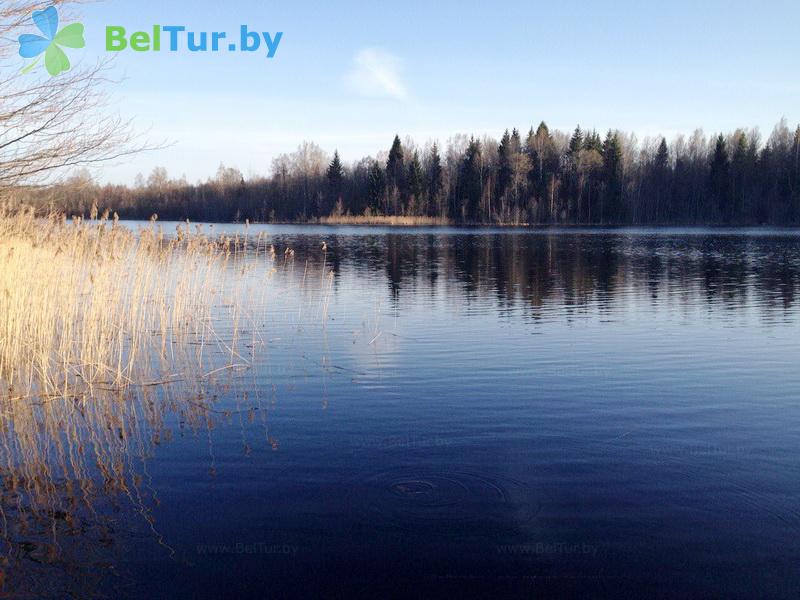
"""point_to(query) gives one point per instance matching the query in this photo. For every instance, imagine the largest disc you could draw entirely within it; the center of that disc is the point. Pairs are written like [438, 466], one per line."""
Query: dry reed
[102, 331]
[84, 305]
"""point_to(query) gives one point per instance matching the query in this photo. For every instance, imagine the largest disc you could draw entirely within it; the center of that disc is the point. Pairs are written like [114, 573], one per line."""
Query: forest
[542, 177]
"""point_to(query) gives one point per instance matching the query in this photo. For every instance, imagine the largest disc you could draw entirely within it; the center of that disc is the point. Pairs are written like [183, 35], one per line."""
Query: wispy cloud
[377, 74]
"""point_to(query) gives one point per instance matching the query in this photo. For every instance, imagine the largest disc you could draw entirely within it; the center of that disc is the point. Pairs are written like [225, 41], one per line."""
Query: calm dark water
[522, 414]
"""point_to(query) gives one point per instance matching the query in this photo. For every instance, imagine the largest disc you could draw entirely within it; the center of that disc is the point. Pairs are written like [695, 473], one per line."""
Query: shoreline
[435, 223]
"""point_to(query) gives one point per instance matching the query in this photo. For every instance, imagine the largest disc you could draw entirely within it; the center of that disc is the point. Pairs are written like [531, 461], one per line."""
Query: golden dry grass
[85, 305]
[103, 330]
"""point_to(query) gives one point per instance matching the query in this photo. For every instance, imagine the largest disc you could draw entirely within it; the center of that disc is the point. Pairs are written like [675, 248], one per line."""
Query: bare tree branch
[47, 124]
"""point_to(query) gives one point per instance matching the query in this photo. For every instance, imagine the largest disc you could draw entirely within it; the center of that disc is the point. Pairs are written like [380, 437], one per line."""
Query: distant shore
[394, 221]
[401, 222]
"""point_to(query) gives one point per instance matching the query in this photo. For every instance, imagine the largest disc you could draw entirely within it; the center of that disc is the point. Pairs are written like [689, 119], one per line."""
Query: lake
[414, 412]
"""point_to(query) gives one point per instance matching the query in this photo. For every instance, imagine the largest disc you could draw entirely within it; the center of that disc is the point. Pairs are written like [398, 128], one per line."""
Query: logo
[33, 46]
[177, 37]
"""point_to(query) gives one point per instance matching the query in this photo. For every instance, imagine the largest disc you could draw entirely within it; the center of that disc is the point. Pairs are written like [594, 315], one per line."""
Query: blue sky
[350, 74]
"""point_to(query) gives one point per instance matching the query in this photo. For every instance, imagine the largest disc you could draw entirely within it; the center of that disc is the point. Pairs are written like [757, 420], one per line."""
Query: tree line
[541, 177]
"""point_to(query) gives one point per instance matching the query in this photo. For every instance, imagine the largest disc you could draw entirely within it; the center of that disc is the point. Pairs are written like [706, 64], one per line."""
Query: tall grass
[87, 305]
[102, 330]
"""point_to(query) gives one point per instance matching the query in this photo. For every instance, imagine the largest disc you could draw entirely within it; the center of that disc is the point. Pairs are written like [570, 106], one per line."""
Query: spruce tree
[516, 141]
[593, 142]
[739, 175]
[470, 181]
[611, 208]
[660, 178]
[589, 170]
[574, 178]
[435, 183]
[719, 174]
[376, 187]
[544, 167]
[795, 170]
[395, 175]
[531, 150]
[503, 166]
[395, 163]
[414, 186]
[576, 142]
[662, 155]
[335, 178]
[335, 173]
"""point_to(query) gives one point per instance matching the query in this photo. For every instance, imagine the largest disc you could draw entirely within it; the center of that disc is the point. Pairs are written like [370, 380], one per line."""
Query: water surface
[485, 411]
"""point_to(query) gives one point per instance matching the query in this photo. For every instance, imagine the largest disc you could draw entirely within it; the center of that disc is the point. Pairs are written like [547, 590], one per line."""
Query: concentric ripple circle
[411, 498]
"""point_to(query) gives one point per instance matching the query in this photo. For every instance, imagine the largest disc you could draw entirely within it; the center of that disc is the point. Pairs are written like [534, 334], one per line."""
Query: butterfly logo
[33, 46]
